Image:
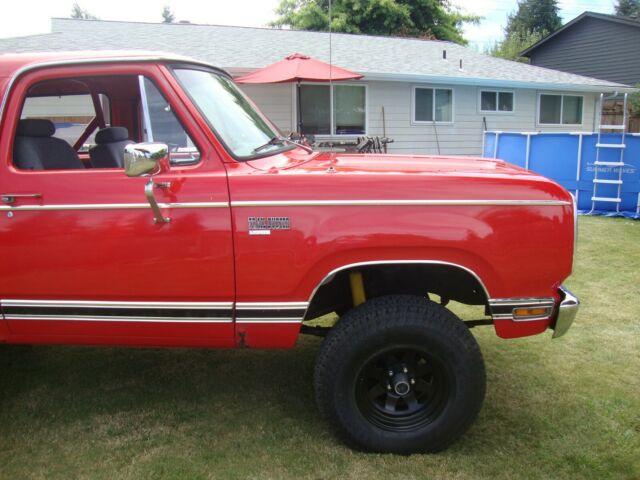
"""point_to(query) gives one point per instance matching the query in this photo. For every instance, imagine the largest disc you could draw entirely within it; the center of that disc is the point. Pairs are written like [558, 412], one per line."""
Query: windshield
[231, 115]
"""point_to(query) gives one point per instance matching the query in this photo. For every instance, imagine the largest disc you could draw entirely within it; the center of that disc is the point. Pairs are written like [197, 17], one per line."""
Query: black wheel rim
[402, 389]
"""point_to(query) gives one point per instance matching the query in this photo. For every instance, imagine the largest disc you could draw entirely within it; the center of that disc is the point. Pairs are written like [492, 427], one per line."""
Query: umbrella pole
[299, 108]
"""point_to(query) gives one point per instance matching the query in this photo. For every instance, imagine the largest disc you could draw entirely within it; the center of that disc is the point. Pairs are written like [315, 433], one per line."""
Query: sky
[29, 17]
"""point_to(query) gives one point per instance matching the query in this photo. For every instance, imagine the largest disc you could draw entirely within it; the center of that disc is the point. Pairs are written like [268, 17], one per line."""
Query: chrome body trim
[503, 308]
[159, 312]
[267, 320]
[567, 312]
[111, 206]
[106, 318]
[271, 305]
[502, 316]
[327, 278]
[519, 302]
[399, 202]
[104, 304]
[275, 203]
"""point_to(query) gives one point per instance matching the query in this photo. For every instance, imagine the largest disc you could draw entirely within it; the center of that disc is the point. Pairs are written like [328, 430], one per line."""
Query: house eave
[499, 83]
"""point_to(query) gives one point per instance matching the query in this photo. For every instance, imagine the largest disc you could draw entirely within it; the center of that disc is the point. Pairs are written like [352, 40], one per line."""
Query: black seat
[109, 149]
[35, 147]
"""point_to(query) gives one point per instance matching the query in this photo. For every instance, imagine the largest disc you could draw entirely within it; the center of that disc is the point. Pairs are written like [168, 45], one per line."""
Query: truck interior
[86, 123]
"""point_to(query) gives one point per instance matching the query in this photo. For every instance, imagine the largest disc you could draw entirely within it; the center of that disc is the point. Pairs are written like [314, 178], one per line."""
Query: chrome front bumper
[566, 312]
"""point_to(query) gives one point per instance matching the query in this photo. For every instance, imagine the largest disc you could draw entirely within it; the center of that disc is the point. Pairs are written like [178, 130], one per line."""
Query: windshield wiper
[278, 140]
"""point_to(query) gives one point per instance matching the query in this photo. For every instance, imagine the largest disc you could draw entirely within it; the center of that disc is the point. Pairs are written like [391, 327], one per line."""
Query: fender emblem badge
[264, 225]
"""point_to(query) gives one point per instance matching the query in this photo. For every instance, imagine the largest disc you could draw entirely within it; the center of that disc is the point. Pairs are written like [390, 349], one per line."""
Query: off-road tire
[374, 334]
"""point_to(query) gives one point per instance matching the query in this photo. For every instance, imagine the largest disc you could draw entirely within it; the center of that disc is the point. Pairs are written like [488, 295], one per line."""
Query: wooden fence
[612, 114]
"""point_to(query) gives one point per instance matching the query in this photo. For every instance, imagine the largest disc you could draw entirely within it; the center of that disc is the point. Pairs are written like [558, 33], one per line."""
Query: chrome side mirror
[146, 159]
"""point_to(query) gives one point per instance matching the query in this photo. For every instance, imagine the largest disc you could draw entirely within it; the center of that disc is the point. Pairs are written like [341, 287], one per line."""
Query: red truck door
[81, 259]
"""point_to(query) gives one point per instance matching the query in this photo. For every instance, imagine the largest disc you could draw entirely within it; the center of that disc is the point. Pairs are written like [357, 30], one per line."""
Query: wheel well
[450, 282]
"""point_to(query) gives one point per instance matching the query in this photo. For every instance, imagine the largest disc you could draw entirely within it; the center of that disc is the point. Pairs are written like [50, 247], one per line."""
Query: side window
[87, 122]
[160, 124]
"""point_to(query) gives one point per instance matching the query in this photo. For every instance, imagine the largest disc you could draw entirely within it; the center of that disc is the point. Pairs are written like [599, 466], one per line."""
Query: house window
[560, 109]
[496, 101]
[432, 104]
[338, 112]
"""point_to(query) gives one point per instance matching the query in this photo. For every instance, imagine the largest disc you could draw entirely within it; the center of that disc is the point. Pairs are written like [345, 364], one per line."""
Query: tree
[533, 20]
[628, 8]
[513, 44]
[167, 15]
[435, 19]
[81, 14]
[538, 16]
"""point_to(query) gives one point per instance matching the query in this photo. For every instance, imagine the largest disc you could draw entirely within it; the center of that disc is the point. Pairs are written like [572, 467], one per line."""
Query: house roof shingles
[242, 49]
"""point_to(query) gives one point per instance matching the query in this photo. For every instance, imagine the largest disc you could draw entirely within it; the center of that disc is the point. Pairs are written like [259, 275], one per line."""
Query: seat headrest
[36, 127]
[112, 134]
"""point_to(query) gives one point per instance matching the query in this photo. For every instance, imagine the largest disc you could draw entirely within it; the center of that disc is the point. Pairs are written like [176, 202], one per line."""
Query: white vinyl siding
[276, 101]
[462, 138]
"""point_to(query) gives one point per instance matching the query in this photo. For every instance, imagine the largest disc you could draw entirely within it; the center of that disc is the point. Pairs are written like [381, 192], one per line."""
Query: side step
[606, 199]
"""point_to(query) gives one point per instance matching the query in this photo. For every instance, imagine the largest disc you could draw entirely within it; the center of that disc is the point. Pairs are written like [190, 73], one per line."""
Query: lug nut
[413, 382]
[388, 387]
[404, 369]
[391, 373]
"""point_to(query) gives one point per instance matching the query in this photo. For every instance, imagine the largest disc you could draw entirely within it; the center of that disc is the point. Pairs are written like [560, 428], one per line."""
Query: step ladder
[616, 164]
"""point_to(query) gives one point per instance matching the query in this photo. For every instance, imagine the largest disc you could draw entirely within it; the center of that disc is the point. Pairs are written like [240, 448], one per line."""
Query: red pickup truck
[171, 212]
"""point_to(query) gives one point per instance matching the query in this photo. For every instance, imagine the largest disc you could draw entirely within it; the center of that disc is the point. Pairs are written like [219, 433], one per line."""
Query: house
[592, 44]
[428, 96]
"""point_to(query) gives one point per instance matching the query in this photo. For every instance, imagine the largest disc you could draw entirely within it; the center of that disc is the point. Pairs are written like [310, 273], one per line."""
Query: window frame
[497, 92]
[434, 88]
[144, 117]
[561, 95]
[332, 125]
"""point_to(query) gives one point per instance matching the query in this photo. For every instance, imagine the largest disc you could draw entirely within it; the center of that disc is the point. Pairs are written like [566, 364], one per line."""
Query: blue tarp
[569, 159]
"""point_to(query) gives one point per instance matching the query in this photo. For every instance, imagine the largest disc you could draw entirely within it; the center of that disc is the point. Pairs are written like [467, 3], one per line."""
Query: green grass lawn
[565, 409]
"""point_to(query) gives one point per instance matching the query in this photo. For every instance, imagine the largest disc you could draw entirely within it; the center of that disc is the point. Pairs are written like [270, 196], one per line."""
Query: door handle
[10, 198]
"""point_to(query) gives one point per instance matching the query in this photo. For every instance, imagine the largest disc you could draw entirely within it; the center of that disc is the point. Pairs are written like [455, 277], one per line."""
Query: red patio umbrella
[297, 68]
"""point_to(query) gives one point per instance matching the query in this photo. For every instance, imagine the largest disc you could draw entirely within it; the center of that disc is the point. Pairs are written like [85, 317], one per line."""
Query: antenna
[330, 52]
[331, 107]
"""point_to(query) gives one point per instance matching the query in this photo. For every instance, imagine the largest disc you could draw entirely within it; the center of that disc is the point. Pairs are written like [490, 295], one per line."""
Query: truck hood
[385, 164]
[398, 177]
